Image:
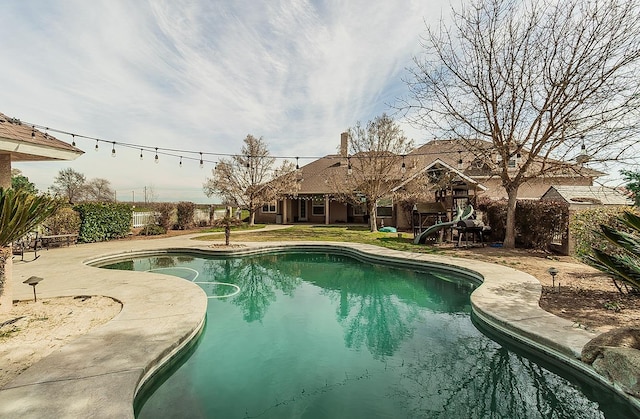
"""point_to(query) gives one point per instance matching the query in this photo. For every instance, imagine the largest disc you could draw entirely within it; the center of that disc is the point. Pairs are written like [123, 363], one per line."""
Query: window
[359, 210]
[384, 208]
[270, 207]
[317, 207]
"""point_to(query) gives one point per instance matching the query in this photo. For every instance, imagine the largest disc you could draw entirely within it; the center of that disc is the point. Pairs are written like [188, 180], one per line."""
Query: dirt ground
[581, 294]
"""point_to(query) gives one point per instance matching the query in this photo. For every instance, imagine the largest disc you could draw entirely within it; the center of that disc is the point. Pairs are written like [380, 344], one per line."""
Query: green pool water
[320, 335]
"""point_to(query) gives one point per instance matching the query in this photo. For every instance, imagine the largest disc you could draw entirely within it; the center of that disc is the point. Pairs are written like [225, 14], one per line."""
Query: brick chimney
[344, 144]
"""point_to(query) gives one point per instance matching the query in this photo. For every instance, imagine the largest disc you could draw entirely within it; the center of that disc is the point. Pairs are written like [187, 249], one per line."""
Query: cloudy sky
[200, 75]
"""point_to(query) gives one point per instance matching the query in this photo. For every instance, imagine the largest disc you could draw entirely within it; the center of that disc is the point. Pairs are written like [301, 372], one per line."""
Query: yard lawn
[585, 296]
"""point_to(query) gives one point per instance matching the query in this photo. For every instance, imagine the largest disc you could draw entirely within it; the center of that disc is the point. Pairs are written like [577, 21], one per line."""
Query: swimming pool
[326, 335]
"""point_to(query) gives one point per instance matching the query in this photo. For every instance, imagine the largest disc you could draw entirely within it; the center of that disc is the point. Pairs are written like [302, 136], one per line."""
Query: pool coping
[100, 373]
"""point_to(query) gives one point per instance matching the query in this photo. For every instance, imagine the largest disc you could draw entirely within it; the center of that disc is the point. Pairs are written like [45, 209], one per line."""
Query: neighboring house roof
[451, 151]
[25, 143]
[586, 195]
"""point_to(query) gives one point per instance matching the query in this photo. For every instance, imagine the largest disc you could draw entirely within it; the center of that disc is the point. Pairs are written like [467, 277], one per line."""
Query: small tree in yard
[20, 212]
[248, 180]
[374, 163]
[623, 265]
[537, 80]
[227, 222]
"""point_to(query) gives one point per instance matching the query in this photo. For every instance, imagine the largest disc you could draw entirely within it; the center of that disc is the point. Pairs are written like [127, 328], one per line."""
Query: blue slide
[422, 237]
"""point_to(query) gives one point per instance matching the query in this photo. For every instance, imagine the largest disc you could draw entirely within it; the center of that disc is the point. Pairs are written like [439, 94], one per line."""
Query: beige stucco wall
[5, 170]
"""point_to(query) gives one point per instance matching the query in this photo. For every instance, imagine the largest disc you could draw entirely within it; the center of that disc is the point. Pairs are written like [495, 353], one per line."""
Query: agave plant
[20, 212]
[625, 265]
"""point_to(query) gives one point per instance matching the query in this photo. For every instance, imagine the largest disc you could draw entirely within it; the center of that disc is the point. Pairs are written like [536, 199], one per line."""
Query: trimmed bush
[185, 212]
[166, 211]
[103, 221]
[152, 230]
[65, 221]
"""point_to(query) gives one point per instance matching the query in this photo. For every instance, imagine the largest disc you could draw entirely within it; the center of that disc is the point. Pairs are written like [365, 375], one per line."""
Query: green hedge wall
[585, 229]
[103, 221]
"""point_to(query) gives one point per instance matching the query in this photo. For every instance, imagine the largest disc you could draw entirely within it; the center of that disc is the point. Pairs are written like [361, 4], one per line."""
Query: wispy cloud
[202, 75]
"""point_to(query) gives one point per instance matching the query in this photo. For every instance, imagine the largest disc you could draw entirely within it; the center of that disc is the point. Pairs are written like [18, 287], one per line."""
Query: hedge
[536, 221]
[585, 228]
[185, 212]
[103, 221]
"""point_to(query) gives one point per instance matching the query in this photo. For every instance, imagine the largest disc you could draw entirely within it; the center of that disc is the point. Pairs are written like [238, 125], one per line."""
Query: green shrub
[185, 213]
[166, 211]
[65, 221]
[103, 221]
[583, 226]
[152, 230]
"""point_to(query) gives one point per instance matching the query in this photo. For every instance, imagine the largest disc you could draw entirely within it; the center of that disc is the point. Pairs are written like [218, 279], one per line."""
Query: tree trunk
[252, 216]
[373, 223]
[6, 268]
[510, 225]
[227, 234]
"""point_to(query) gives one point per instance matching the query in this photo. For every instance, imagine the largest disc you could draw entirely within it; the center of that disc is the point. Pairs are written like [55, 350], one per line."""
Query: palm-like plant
[625, 265]
[20, 212]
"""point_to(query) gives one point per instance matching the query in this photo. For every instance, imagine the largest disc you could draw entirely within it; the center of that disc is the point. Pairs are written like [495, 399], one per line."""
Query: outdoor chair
[29, 242]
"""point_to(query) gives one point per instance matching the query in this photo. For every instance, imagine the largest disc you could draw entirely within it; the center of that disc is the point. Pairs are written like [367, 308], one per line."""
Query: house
[454, 172]
[22, 142]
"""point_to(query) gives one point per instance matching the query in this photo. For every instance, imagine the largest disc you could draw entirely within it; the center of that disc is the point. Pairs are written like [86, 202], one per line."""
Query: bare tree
[99, 189]
[69, 185]
[537, 80]
[375, 163]
[248, 180]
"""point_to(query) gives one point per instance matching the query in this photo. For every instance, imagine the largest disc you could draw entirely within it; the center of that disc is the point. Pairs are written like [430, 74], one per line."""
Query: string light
[169, 151]
[459, 159]
[113, 149]
[180, 164]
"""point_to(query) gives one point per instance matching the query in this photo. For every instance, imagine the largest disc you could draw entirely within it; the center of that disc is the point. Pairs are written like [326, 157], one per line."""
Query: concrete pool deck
[100, 373]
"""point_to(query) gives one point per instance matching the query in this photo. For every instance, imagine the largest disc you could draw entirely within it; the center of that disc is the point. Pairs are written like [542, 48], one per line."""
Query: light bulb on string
[248, 160]
[201, 161]
[297, 165]
[113, 149]
[180, 164]
[33, 131]
[141, 154]
[349, 170]
[403, 169]
[155, 159]
[96, 148]
[73, 140]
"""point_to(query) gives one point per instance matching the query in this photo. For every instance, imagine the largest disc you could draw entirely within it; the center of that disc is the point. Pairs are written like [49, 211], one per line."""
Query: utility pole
[133, 197]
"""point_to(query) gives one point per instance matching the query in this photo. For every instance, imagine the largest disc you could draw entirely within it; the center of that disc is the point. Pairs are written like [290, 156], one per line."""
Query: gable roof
[25, 143]
[587, 195]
